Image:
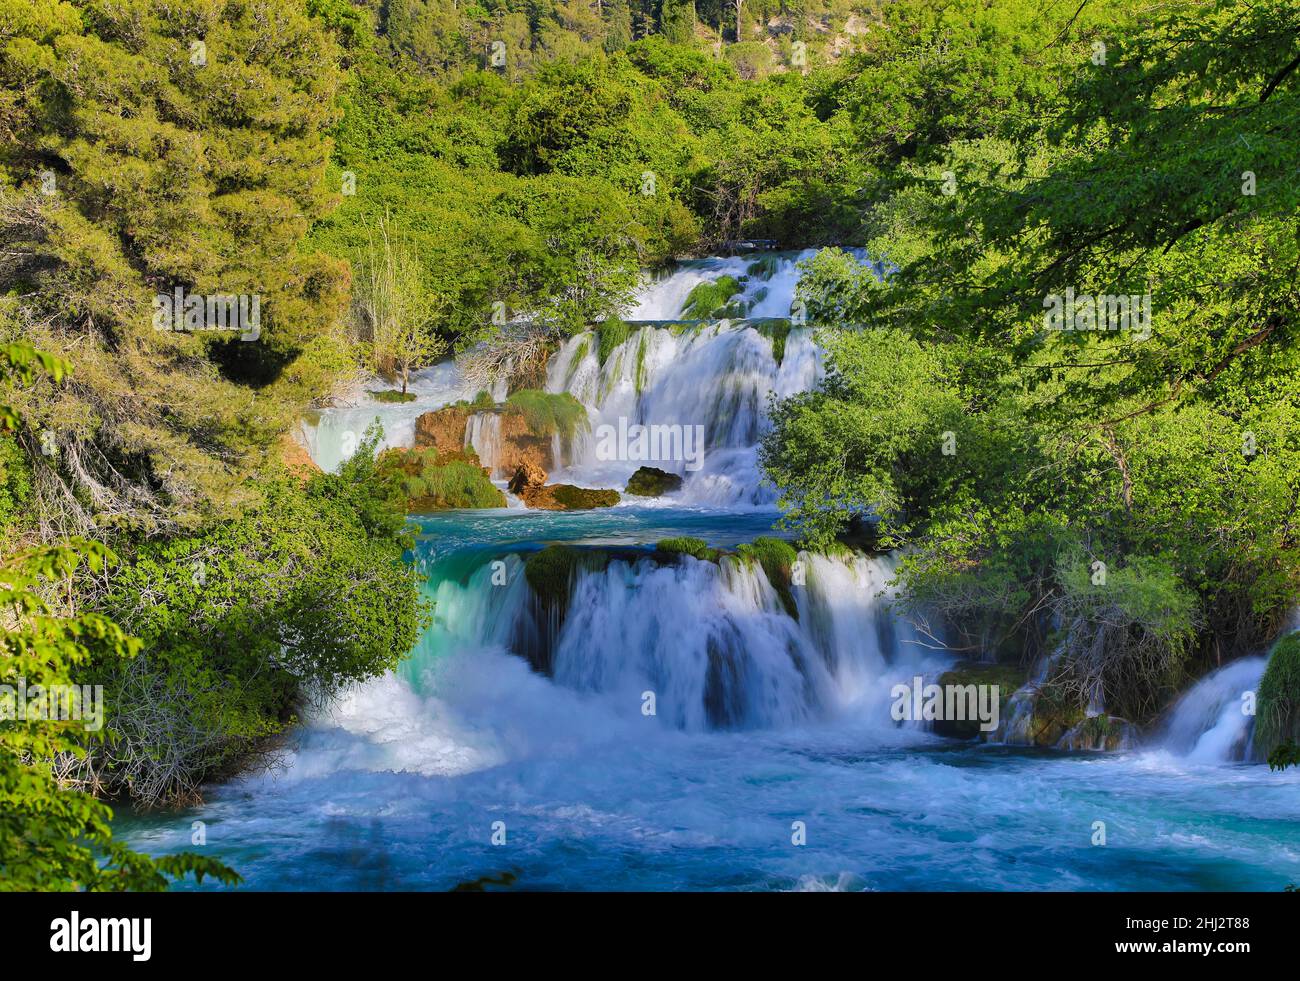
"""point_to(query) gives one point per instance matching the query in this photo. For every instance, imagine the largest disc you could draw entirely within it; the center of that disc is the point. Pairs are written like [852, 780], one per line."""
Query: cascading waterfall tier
[705, 387]
[711, 641]
[710, 379]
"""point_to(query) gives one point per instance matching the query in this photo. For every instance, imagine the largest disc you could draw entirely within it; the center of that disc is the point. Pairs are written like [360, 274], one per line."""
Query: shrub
[433, 481]
[245, 620]
[1278, 721]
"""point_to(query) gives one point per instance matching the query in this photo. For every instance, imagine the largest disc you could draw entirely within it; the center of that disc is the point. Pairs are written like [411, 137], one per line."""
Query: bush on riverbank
[434, 480]
[244, 622]
[1277, 720]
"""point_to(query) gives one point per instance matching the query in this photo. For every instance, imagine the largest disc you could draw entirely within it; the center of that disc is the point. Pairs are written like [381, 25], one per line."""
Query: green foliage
[551, 573]
[397, 305]
[1277, 722]
[1010, 165]
[695, 547]
[54, 836]
[1284, 755]
[242, 622]
[15, 485]
[430, 481]
[391, 395]
[710, 301]
[168, 168]
[549, 413]
[611, 332]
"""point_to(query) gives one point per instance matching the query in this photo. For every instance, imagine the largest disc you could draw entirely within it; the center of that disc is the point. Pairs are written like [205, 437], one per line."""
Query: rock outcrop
[514, 444]
[567, 497]
[527, 476]
[652, 482]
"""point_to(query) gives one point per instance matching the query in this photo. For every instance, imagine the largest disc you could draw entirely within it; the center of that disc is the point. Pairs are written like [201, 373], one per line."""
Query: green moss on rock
[777, 558]
[776, 331]
[572, 498]
[710, 301]
[552, 572]
[1008, 679]
[433, 481]
[548, 413]
[611, 332]
[390, 395]
[652, 482]
[695, 547]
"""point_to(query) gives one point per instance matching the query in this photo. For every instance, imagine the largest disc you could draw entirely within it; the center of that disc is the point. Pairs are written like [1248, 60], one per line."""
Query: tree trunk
[738, 3]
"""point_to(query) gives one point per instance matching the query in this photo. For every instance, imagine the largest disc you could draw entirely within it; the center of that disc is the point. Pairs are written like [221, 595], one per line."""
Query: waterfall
[716, 379]
[335, 435]
[711, 640]
[1209, 724]
[765, 294]
[483, 434]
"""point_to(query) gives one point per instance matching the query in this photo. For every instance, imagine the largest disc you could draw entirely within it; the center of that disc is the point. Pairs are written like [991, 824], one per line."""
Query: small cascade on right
[1213, 721]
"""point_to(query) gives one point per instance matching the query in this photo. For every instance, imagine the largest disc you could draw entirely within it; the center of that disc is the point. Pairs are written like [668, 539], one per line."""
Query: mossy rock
[1056, 712]
[764, 267]
[1008, 677]
[776, 331]
[548, 413]
[391, 395]
[573, 498]
[610, 333]
[712, 300]
[695, 547]
[652, 482]
[552, 572]
[1278, 716]
[777, 557]
[434, 481]
[1098, 733]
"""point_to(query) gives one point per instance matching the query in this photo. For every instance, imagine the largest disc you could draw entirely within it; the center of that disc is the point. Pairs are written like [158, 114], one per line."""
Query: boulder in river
[527, 475]
[652, 482]
[567, 497]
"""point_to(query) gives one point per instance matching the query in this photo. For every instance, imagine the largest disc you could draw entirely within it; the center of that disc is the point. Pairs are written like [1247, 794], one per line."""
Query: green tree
[399, 309]
[54, 837]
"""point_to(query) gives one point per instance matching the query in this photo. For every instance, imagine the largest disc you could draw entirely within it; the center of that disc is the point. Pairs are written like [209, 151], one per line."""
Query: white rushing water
[1213, 720]
[715, 380]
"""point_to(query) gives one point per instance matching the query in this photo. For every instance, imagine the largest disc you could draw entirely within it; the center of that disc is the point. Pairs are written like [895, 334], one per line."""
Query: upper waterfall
[714, 376]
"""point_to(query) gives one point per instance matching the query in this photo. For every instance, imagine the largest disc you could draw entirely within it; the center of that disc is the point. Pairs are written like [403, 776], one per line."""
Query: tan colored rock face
[445, 429]
[526, 476]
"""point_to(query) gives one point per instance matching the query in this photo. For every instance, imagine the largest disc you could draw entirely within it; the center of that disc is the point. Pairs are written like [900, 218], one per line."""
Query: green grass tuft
[695, 547]
[777, 558]
[548, 413]
[391, 395]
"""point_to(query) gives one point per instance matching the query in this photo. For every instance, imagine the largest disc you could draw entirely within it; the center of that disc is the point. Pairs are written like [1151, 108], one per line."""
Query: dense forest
[404, 181]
